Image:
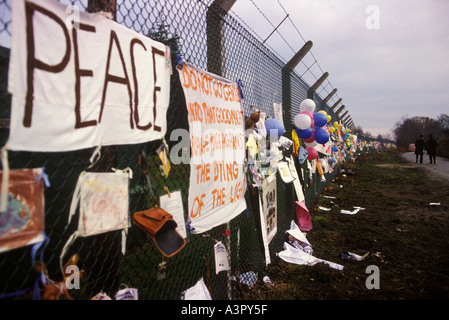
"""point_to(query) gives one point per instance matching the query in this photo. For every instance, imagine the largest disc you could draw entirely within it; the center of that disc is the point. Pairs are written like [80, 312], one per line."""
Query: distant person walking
[431, 147]
[419, 148]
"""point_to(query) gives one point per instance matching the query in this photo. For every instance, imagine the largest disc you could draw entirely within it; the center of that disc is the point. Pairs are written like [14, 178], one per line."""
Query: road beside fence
[439, 169]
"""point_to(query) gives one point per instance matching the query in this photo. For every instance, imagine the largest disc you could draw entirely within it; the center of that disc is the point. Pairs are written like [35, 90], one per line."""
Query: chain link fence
[182, 26]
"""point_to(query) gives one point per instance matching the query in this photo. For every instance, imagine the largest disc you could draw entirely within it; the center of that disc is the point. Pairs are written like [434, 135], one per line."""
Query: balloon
[323, 112]
[312, 153]
[334, 149]
[311, 144]
[312, 137]
[321, 136]
[274, 125]
[310, 114]
[333, 160]
[329, 118]
[304, 134]
[307, 105]
[302, 121]
[319, 119]
[332, 129]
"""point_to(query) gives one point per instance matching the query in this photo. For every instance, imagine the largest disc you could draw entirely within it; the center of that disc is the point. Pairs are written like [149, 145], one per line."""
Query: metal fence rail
[182, 25]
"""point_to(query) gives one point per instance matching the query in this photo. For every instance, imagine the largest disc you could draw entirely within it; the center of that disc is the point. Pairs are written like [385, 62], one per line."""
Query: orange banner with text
[216, 129]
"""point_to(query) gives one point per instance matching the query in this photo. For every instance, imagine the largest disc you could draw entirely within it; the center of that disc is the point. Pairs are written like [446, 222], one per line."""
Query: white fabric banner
[82, 84]
[217, 177]
[103, 201]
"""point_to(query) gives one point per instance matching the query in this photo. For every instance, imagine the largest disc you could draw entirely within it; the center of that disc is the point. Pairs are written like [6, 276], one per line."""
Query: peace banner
[217, 178]
[82, 80]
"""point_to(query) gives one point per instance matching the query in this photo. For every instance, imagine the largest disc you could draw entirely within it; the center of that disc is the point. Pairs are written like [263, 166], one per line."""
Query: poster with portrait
[269, 205]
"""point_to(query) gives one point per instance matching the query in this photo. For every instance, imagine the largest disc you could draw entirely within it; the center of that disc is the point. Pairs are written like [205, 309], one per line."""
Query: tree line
[407, 130]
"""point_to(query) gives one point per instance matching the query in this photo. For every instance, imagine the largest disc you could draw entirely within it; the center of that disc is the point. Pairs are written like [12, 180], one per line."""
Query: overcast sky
[387, 58]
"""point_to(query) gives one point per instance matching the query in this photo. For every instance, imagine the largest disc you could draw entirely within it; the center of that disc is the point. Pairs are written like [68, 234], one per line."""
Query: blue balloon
[276, 125]
[320, 119]
[334, 149]
[304, 134]
[321, 136]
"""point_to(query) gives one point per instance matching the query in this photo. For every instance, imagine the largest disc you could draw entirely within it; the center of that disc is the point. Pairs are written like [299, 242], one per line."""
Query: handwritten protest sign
[217, 179]
[84, 84]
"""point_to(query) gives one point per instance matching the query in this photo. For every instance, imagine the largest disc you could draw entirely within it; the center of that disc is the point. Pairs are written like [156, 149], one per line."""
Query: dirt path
[440, 170]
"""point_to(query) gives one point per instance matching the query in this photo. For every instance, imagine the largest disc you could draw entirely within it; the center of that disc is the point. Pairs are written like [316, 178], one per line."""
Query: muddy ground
[404, 228]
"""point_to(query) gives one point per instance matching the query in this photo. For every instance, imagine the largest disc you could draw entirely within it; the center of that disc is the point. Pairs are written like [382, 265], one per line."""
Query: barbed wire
[308, 67]
[302, 37]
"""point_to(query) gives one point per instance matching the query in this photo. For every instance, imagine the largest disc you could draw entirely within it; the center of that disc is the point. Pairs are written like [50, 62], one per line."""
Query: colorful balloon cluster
[342, 133]
[310, 127]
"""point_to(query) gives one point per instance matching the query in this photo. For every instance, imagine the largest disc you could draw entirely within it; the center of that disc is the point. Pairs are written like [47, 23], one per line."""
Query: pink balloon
[312, 153]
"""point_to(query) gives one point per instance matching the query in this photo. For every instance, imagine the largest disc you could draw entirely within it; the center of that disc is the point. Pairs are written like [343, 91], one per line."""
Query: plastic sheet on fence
[198, 292]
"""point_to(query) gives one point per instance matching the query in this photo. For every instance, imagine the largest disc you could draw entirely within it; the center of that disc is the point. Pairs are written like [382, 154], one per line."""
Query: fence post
[103, 5]
[315, 86]
[99, 257]
[215, 35]
[286, 84]
[329, 96]
[287, 108]
[216, 63]
[343, 115]
[339, 110]
[336, 104]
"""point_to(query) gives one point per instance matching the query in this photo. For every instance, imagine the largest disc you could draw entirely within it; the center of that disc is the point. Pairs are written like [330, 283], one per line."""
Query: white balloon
[302, 121]
[307, 105]
[311, 144]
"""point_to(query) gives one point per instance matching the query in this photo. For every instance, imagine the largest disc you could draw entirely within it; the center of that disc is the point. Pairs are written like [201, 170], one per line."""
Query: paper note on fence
[173, 204]
[75, 87]
[217, 178]
[221, 258]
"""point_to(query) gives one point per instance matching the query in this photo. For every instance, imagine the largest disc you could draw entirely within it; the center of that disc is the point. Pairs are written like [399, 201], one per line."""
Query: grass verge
[406, 237]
